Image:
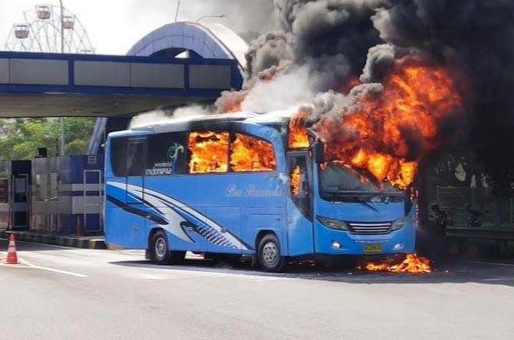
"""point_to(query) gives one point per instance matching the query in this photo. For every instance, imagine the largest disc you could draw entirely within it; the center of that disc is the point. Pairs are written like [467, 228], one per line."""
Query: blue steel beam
[108, 78]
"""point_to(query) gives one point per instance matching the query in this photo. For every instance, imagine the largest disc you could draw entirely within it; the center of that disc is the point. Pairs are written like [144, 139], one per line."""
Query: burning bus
[249, 185]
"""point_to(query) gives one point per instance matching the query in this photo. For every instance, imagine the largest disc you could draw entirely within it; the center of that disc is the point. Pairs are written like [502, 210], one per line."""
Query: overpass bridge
[174, 65]
[43, 85]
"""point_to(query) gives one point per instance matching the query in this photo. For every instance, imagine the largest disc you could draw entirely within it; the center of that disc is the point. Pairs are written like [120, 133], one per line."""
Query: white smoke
[190, 111]
[158, 117]
[286, 90]
[147, 118]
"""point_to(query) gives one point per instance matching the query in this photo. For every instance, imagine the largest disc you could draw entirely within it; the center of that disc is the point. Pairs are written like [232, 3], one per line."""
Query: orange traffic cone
[12, 258]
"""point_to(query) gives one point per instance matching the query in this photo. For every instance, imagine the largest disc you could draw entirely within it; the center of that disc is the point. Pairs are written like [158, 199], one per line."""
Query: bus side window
[251, 154]
[136, 157]
[208, 152]
[300, 188]
[118, 153]
[166, 154]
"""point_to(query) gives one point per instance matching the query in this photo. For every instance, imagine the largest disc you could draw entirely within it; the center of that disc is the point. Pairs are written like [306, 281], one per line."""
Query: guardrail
[501, 236]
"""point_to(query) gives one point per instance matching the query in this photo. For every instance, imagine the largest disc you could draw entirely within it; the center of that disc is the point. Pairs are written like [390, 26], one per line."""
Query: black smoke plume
[323, 42]
[475, 36]
[331, 36]
[333, 45]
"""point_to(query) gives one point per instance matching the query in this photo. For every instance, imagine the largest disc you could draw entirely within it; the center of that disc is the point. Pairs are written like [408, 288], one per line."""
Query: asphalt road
[63, 293]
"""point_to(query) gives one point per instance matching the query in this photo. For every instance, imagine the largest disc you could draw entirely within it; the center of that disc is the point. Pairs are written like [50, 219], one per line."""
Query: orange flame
[251, 154]
[295, 181]
[386, 134]
[411, 264]
[298, 137]
[210, 151]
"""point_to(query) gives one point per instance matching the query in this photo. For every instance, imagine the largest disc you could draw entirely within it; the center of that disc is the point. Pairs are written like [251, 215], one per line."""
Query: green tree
[77, 131]
[22, 137]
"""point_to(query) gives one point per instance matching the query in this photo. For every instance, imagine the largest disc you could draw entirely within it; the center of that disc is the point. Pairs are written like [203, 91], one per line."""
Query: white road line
[56, 270]
[27, 265]
[494, 263]
[246, 276]
[499, 279]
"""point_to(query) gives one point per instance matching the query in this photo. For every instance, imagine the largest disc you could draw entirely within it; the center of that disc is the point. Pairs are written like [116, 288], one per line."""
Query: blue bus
[235, 185]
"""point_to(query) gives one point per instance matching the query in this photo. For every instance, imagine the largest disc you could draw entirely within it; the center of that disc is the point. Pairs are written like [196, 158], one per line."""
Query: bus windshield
[338, 180]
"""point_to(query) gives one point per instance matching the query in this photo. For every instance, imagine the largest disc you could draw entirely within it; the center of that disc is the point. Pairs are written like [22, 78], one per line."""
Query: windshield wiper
[364, 193]
[368, 205]
[361, 199]
[362, 196]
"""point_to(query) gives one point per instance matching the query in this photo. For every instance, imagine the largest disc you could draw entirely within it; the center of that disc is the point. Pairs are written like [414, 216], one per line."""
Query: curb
[65, 241]
[496, 248]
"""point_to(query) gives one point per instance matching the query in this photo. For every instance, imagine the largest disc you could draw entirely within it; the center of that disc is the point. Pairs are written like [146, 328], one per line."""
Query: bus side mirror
[318, 152]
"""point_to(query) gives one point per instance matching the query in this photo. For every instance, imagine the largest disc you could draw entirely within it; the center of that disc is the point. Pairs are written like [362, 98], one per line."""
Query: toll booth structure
[15, 182]
[67, 195]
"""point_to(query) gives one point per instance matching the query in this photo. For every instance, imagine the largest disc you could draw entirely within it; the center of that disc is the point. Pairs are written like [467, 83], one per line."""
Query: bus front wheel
[160, 251]
[269, 256]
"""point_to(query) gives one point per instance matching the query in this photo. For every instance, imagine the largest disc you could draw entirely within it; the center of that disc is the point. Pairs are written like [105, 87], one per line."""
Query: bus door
[134, 193]
[300, 227]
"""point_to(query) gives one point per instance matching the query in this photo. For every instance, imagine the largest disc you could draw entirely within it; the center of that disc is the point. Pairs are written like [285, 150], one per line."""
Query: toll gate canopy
[53, 85]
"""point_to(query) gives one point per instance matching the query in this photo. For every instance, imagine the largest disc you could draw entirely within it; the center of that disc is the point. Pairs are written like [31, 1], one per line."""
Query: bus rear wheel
[160, 251]
[269, 256]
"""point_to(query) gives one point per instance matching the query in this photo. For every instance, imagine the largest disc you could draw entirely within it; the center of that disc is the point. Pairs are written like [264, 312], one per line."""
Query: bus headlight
[333, 224]
[397, 225]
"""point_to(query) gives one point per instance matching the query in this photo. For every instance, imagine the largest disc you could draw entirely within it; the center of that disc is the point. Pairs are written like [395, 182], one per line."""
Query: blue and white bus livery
[231, 185]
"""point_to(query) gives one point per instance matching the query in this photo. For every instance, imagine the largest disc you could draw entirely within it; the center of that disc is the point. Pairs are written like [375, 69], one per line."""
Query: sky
[114, 26]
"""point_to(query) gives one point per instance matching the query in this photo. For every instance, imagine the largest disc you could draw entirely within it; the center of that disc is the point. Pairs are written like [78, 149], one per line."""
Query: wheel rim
[270, 254]
[160, 248]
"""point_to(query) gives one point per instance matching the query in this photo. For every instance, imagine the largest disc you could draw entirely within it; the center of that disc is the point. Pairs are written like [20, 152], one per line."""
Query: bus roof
[279, 116]
[184, 123]
[190, 122]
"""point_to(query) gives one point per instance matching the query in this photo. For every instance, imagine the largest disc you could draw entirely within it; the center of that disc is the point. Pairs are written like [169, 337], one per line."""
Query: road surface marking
[181, 273]
[498, 279]
[26, 264]
[56, 270]
[494, 263]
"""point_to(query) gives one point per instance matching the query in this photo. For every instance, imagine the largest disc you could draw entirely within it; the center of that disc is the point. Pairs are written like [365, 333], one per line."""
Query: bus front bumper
[335, 242]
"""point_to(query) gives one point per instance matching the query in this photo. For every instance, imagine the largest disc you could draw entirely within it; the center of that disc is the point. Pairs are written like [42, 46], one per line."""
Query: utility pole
[176, 12]
[62, 26]
[63, 138]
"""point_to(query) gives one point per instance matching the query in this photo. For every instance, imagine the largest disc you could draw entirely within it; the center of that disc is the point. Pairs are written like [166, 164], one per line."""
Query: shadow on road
[484, 270]
[451, 271]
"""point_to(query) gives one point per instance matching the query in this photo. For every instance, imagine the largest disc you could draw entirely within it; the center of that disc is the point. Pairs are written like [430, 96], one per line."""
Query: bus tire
[269, 256]
[160, 250]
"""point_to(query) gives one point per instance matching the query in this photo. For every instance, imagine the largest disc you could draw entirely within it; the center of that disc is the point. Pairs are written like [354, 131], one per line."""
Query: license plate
[373, 248]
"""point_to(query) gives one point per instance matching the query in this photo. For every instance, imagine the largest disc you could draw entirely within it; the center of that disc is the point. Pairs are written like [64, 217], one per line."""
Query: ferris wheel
[49, 29]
